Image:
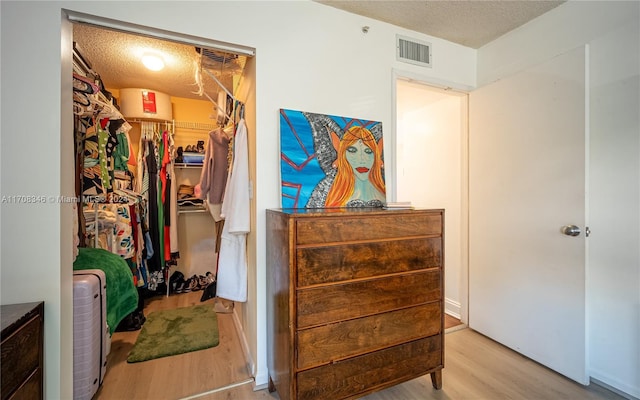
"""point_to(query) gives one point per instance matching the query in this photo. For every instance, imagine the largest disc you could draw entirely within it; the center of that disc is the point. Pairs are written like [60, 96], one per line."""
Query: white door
[527, 180]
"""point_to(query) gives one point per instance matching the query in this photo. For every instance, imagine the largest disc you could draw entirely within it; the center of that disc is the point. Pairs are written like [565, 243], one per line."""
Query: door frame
[70, 17]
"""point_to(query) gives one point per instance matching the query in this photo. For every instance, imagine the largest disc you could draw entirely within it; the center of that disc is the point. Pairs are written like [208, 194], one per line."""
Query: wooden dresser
[22, 345]
[355, 300]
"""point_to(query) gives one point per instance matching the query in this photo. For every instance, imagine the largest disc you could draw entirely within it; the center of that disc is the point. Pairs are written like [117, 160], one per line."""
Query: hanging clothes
[213, 178]
[92, 184]
[155, 260]
[121, 154]
[232, 262]
[109, 209]
[215, 170]
[173, 199]
[165, 195]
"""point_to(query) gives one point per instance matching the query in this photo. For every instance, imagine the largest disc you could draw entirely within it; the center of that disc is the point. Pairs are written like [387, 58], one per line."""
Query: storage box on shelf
[190, 158]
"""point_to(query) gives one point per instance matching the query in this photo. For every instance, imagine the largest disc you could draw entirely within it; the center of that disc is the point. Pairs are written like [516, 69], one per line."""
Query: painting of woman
[330, 161]
[358, 180]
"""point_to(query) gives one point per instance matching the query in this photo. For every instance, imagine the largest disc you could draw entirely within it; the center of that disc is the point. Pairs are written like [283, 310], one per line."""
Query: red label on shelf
[149, 102]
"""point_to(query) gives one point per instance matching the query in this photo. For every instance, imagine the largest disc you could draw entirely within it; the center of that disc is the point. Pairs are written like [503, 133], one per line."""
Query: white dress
[232, 262]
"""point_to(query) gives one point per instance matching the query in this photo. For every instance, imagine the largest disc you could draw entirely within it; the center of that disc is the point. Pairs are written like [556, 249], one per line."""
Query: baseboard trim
[250, 364]
[452, 308]
[626, 395]
[261, 379]
[220, 389]
[257, 387]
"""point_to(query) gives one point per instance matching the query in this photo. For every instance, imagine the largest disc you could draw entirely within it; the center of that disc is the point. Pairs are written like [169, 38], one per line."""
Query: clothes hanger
[106, 109]
[132, 197]
[84, 85]
[82, 110]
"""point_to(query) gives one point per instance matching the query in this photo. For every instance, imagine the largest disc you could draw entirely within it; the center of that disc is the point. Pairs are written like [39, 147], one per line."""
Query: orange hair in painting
[344, 183]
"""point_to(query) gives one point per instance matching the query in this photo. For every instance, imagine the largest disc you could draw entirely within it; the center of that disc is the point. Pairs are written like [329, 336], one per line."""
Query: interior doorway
[431, 171]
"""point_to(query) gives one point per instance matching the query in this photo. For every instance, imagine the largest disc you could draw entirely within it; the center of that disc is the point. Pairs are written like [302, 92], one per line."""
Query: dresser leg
[436, 379]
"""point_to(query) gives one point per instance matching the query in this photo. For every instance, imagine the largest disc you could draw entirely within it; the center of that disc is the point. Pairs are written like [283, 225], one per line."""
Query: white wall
[610, 28]
[308, 57]
[614, 252]
[564, 28]
[36, 231]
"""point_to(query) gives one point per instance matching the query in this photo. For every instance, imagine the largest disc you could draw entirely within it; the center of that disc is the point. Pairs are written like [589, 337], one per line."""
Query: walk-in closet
[161, 159]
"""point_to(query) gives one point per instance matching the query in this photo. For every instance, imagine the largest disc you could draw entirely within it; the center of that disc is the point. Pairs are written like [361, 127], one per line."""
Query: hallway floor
[476, 368]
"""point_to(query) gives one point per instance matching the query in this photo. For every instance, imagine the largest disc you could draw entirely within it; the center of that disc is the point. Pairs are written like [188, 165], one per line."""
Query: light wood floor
[450, 322]
[476, 368]
[177, 376]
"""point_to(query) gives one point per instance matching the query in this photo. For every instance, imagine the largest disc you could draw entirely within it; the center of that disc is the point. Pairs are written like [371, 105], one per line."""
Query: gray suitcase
[90, 332]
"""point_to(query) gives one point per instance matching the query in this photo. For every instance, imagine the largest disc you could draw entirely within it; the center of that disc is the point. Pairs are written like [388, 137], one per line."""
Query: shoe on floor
[188, 286]
[180, 286]
[194, 283]
[209, 292]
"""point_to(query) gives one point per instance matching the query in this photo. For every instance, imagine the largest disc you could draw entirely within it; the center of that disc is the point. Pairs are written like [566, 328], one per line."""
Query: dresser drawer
[31, 389]
[20, 355]
[326, 264]
[352, 228]
[355, 300]
[359, 374]
[327, 343]
[333, 303]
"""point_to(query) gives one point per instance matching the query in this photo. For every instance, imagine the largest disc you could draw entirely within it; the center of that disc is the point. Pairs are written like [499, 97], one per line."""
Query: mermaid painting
[345, 167]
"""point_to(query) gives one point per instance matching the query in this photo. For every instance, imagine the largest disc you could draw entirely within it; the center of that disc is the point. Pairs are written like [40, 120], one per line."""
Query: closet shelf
[194, 125]
[191, 209]
[187, 165]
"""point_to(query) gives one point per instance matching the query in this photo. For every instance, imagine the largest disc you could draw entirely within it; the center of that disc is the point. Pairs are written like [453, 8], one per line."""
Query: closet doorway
[195, 96]
[431, 170]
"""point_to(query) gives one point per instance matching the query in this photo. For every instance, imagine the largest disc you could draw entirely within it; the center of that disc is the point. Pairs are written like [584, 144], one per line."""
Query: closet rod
[210, 99]
[219, 83]
[80, 63]
[201, 126]
[194, 125]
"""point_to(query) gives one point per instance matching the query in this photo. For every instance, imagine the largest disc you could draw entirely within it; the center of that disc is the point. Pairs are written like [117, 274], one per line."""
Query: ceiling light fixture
[153, 62]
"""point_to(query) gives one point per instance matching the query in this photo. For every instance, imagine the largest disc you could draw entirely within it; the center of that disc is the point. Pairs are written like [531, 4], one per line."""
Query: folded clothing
[192, 158]
[186, 192]
[186, 196]
[190, 202]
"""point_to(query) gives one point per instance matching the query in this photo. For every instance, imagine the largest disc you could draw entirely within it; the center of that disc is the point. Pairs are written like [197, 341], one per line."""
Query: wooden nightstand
[22, 351]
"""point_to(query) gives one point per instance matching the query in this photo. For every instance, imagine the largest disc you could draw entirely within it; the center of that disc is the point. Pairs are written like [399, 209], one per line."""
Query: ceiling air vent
[413, 51]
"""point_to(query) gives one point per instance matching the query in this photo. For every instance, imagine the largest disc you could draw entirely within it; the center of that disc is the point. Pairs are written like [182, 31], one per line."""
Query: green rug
[177, 331]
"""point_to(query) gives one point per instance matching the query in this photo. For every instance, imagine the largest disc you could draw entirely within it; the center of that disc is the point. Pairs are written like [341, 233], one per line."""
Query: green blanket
[122, 295]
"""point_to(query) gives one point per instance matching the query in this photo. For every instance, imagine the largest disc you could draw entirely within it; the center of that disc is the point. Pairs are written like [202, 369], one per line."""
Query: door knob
[570, 230]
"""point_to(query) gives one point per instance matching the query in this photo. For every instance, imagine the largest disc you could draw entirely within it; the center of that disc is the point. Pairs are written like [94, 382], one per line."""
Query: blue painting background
[306, 153]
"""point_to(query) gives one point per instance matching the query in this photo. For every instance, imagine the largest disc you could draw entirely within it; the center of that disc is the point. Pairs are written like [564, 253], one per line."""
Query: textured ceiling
[471, 23]
[115, 55]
